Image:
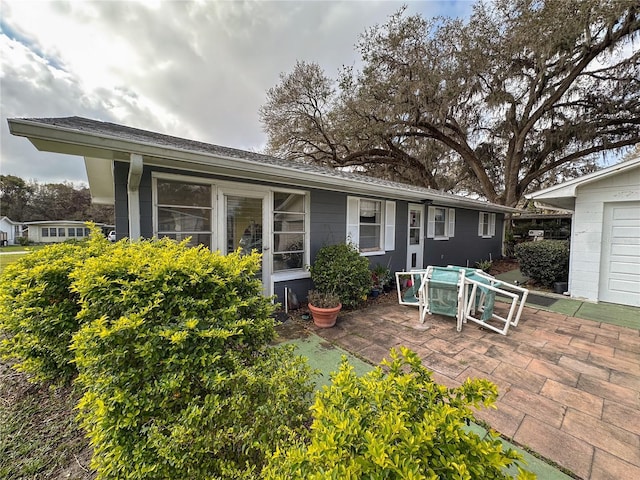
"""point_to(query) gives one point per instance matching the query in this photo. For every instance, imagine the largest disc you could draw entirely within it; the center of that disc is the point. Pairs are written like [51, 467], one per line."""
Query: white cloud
[197, 69]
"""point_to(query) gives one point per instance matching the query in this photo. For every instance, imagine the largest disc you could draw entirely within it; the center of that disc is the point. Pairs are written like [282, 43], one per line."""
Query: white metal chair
[465, 293]
[443, 292]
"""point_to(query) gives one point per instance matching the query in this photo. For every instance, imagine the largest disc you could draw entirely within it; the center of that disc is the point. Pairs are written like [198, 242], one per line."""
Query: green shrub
[545, 261]
[340, 269]
[174, 359]
[395, 425]
[38, 309]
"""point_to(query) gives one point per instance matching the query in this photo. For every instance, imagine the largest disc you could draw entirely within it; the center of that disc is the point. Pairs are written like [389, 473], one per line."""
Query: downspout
[133, 195]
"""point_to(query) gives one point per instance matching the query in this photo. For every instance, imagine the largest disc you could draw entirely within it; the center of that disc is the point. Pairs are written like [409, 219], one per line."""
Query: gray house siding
[328, 212]
[466, 247]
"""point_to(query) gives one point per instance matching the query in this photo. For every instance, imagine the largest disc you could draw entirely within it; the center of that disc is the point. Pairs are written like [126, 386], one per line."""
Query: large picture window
[184, 210]
[289, 231]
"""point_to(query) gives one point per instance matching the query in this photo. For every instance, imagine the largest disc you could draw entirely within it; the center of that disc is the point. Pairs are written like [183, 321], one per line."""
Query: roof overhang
[563, 195]
[100, 151]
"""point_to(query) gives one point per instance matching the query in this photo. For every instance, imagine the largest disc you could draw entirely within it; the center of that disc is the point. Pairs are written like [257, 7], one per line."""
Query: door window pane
[244, 224]
[414, 227]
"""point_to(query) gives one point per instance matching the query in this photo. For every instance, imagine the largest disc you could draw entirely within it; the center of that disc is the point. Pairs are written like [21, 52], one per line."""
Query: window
[289, 231]
[62, 232]
[79, 232]
[45, 231]
[371, 224]
[184, 210]
[487, 225]
[72, 231]
[53, 232]
[441, 223]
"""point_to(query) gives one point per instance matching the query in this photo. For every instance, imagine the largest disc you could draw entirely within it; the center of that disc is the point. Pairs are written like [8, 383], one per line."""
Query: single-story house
[10, 231]
[226, 198]
[56, 231]
[605, 234]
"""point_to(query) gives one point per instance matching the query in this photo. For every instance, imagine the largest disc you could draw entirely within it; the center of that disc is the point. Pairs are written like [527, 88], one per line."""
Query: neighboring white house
[56, 231]
[9, 231]
[605, 234]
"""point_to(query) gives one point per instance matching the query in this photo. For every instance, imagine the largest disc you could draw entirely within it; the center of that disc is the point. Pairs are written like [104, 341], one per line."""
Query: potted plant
[340, 269]
[324, 308]
[340, 276]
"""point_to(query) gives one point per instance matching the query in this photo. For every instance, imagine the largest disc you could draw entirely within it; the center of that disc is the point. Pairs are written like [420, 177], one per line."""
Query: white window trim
[449, 223]
[303, 272]
[491, 220]
[221, 187]
[155, 176]
[387, 224]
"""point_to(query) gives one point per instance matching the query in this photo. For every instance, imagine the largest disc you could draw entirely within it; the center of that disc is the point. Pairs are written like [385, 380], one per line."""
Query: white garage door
[620, 265]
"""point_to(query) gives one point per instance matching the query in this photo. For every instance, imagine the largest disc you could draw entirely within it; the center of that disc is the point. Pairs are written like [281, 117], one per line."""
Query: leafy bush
[174, 359]
[38, 309]
[484, 265]
[545, 261]
[392, 425]
[340, 269]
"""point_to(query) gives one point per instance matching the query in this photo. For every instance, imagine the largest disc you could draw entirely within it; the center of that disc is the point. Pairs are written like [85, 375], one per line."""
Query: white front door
[620, 260]
[415, 242]
[246, 226]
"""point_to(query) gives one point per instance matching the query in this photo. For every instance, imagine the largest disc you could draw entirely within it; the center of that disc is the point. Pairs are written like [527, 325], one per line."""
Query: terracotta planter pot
[324, 317]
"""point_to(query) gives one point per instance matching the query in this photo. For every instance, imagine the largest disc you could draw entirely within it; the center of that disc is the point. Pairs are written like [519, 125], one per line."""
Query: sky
[192, 69]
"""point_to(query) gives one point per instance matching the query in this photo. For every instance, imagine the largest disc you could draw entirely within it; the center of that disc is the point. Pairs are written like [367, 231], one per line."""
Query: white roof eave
[58, 139]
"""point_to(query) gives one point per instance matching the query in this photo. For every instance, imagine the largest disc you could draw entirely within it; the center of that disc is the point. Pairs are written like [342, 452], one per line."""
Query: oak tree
[522, 94]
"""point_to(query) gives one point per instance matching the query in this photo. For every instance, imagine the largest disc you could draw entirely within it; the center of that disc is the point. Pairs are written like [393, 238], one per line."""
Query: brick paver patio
[569, 388]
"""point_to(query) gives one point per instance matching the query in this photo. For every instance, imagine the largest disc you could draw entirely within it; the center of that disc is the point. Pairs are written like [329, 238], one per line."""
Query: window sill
[290, 275]
[487, 236]
[440, 238]
[372, 253]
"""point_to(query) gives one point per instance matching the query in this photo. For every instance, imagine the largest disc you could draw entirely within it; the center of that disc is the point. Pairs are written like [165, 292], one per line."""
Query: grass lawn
[13, 253]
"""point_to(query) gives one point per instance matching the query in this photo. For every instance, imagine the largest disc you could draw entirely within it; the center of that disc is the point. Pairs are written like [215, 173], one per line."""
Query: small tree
[395, 425]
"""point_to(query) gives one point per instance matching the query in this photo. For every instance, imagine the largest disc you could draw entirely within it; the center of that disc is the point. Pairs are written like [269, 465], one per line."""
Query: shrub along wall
[545, 261]
[173, 356]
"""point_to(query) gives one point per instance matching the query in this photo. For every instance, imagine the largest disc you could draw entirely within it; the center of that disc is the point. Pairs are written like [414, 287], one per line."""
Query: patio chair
[482, 292]
[408, 286]
[443, 292]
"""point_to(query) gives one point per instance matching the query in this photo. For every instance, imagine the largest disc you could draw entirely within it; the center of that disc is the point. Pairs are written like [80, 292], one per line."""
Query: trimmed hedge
[545, 261]
[174, 360]
[395, 425]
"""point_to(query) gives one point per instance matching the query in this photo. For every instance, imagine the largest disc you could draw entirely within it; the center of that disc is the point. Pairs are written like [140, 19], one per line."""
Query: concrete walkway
[569, 387]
